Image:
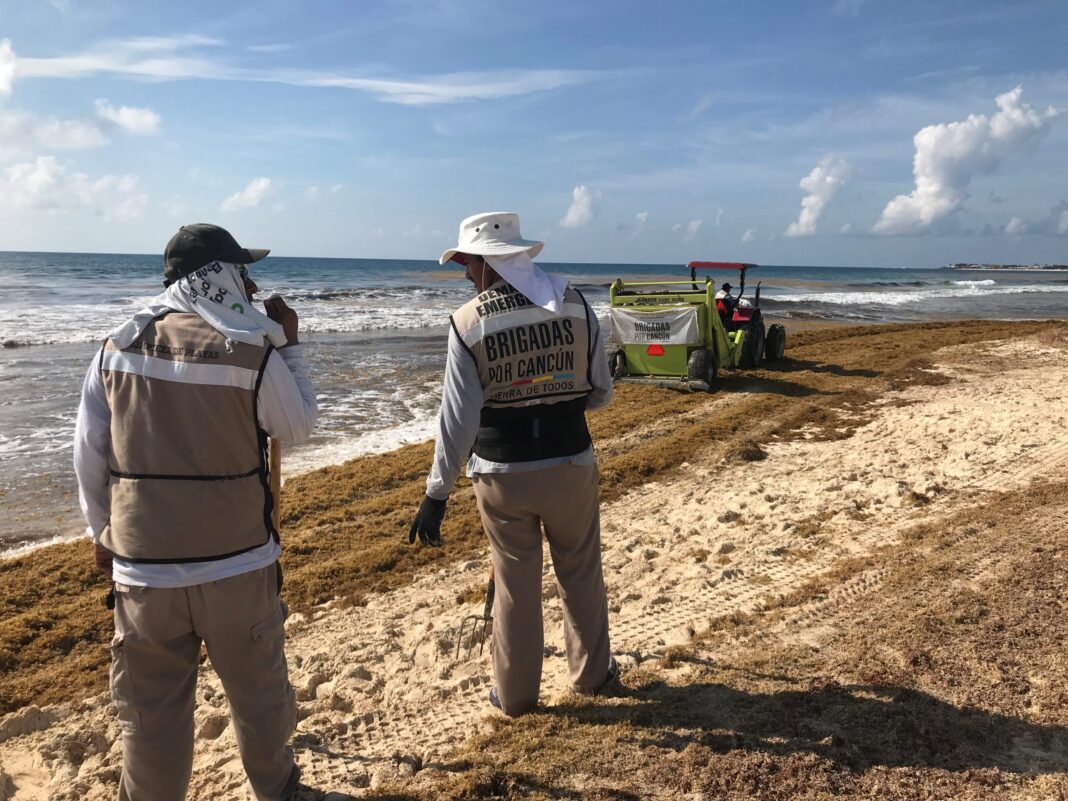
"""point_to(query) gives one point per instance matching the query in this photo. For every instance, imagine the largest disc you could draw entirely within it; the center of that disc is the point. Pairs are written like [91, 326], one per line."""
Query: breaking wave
[968, 289]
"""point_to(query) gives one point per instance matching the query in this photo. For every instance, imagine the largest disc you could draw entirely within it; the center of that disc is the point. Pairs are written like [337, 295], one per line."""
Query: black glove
[427, 523]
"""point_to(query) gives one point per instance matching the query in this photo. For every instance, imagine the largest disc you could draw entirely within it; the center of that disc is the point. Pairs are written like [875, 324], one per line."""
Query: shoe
[495, 699]
[613, 674]
[298, 791]
[610, 680]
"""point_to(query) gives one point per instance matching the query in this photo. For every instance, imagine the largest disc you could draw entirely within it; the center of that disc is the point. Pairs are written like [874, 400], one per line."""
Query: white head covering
[541, 288]
[493, 233]
[217, 293]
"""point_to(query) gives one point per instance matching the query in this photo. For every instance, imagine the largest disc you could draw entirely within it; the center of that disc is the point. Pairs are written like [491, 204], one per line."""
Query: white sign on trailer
[666, 327]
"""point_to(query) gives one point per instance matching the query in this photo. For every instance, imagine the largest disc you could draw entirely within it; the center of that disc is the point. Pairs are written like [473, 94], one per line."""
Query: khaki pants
[514, 506]
[155, 655]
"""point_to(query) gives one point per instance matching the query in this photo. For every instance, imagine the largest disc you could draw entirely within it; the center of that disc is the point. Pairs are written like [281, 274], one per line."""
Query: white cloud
[822, 184]
[34, 184]
[126, 203]
[337, 188]
[1059, 219]
[719, 216]
[676, 227]
[583, 207]
[640, 219]
[1015, 227]
[177, 209]
[311, 193]
[45, 184]
[692, 227]
[949, 155]
[429, 90]
[749, 235]
[269, 48]
[21, 132]
[139, 121]
[7, 67]
[1053, 224]
[846, 228]
[253, 195]
[848, 8]
[701, 106]
[183, 58]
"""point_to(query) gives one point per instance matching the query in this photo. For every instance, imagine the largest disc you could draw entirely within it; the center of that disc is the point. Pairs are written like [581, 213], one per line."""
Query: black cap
[197, 245]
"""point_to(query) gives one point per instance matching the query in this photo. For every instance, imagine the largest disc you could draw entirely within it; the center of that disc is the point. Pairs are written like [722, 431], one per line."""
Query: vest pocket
[160, 519]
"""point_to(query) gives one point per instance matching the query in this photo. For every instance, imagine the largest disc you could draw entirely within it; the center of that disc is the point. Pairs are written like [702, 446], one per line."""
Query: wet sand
[813, 584]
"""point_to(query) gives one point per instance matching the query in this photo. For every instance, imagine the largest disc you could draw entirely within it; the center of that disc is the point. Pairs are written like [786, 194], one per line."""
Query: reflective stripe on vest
[188, 462]
[525, 354]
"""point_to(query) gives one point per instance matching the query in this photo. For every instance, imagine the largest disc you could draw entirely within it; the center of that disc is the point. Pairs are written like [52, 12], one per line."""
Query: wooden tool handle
[274, 470]
[490, 592]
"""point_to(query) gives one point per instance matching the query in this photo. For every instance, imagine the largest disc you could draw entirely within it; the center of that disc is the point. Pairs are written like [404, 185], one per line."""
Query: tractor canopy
[740, 266]
[720, 265]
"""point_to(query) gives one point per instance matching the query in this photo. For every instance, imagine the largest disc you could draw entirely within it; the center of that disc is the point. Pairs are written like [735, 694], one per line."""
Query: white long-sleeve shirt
[461, 410]
[286, 410]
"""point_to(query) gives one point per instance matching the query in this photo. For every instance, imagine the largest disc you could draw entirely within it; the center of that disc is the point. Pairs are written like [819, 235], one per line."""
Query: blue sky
[850, 132]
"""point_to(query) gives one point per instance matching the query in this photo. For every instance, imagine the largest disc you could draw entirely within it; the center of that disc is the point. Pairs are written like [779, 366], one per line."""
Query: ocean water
[375, 333]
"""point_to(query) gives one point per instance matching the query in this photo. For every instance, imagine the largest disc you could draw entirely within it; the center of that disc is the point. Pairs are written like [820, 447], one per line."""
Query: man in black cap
[725, 303]
[170, 454]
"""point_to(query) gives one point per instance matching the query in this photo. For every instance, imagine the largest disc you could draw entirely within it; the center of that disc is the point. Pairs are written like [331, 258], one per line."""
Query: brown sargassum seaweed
[345, 527]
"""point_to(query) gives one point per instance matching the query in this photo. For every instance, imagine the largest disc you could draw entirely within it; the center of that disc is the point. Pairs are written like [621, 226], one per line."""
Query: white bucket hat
[494, 233]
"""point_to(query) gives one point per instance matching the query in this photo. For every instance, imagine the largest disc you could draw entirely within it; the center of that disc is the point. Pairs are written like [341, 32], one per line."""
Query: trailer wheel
[753, 346]
[701, 366]
[618, 363]
[776, 343]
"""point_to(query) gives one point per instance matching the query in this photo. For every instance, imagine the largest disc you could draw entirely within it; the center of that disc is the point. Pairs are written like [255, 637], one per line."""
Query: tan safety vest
[525, 354]
[188, 458]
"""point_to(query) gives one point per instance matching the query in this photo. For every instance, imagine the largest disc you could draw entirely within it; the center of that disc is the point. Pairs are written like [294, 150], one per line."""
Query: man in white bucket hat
[525, 361]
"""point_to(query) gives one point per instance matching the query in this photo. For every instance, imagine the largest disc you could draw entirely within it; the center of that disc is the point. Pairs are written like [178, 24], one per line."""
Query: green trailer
[680, 333]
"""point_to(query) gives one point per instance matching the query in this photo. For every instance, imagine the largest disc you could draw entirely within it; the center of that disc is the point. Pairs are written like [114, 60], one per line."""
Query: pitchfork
[486, 619]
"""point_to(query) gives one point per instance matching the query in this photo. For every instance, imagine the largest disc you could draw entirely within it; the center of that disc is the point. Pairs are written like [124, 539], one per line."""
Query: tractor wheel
[618, 363]
[701, 366]
[776, 343]
[753, 346]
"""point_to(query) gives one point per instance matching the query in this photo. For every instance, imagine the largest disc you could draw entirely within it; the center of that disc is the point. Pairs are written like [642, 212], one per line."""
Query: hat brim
[495, 249]
[246, 255]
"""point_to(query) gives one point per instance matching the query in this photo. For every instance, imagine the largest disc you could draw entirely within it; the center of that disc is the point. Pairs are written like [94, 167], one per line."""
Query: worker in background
[725, 302]
[525, 362]
[170, 455]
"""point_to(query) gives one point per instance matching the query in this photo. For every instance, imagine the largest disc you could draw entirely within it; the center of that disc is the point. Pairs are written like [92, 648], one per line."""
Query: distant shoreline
[1048, 268]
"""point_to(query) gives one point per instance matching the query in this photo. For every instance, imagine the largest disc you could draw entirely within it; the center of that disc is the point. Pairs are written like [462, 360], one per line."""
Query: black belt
[531, 433]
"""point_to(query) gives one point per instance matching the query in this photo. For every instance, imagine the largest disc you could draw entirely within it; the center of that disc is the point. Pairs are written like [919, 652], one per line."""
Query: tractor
[680, 333]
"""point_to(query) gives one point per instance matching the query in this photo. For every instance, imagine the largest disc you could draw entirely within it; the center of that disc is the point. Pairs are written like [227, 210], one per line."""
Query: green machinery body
[680, 365]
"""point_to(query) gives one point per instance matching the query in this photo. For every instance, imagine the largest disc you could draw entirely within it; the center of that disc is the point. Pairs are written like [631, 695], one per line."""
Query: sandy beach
[841, 575]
